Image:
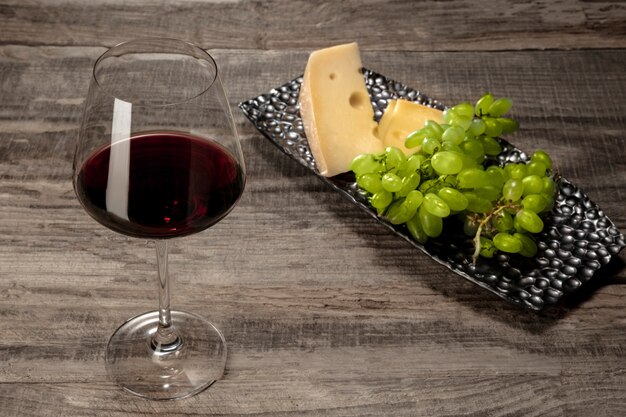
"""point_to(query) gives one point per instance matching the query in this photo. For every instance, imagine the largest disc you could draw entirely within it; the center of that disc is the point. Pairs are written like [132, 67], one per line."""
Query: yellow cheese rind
[405, 118]
[336, 111]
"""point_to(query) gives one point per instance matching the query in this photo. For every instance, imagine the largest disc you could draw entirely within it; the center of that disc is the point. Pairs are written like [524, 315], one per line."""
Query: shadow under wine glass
[158, 157]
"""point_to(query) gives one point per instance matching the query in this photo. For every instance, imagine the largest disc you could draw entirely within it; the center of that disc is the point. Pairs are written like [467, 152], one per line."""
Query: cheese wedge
[336, 111]
[385, 121]
[403, 117]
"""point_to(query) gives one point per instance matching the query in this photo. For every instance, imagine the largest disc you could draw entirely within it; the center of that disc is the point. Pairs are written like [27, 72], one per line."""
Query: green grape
[517, 226]
[414, 199]
[448, 115]
[447, 162]
[409, 183]
[432, 225]
[477, 127]
[492, 127]
[472, 178]
[453, 198]
[413, 163]
[370, 183]
[535, 202]
[399, 212]
[394, 157]
[436, 205]
[453, 134]
[491, 146]
[415, 138]
[452, 118]
[364, 163]
[473, 148]
[513, 189]
[477, 204]
[465, 110]
[529, 220]
[400, 169]
[507, 168]
[549, 187]
[536, 168]
[517, 171]
[430, 186]
[495, 176]
[391, 182]
[381, 200]
[549, 203]
[483, 104]
[507, 243]
[507, 125]
[487, 248]
[449, 146]
[502, 222]
[506, 174]
[434, 128]
[430, 145]
[488, 192]
[416, 230]
[469, 162]
[533, 184]
[541, 156]
[462, 122]
[529, 247]
[499, 107]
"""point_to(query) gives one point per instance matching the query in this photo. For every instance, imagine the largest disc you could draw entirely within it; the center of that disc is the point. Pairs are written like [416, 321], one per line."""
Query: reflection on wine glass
[158, 157]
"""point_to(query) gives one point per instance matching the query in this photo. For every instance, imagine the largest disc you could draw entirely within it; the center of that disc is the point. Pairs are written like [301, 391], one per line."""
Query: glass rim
[156, 38]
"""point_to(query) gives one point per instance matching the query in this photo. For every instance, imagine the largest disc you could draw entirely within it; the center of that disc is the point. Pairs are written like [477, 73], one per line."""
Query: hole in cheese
[357, 100]
[337, 115]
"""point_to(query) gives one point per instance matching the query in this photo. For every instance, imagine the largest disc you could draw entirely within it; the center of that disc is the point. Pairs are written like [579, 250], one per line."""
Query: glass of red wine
[158, 157]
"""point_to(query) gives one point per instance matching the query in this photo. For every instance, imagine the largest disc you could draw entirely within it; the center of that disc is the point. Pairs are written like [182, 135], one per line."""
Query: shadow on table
[535, 322]
[539, 322]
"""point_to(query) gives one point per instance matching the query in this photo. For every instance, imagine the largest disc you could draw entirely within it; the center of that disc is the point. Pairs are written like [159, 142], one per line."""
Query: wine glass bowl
[158, 157]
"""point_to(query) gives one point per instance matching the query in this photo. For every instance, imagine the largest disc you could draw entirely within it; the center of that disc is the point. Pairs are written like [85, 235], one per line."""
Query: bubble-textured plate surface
[576, 241]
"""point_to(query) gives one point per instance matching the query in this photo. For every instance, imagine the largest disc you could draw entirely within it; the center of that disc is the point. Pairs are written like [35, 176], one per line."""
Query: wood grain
[454, 25]
[325, 312]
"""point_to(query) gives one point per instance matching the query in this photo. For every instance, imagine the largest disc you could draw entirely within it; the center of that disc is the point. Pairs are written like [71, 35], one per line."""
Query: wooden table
[326, 313]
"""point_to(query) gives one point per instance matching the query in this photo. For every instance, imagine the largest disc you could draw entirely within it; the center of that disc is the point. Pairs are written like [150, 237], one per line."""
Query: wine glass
[158, 157]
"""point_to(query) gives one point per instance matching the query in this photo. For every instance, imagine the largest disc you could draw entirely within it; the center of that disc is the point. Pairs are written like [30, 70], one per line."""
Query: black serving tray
[576, 241]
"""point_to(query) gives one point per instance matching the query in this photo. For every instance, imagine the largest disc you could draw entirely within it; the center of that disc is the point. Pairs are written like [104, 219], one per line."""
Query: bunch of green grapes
[500, 206]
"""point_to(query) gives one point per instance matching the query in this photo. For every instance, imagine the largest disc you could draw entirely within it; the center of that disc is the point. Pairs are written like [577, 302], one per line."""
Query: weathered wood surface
[325, 312]
[277, 24]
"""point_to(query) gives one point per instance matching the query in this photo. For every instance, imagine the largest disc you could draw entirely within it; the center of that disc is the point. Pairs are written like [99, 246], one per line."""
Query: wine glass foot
[196, 362]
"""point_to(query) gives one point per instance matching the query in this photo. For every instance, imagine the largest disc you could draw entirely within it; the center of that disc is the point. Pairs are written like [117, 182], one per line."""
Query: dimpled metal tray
[577, 240]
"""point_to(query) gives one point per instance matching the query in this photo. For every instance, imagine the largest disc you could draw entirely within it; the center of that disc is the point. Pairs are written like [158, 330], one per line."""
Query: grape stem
[482, 224]
[438, 182]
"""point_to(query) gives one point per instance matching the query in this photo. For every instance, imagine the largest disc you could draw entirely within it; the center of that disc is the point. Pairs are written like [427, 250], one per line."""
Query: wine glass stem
[165, 338]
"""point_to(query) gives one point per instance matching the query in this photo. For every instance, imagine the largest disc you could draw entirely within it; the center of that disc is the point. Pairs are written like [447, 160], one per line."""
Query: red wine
[163, 184]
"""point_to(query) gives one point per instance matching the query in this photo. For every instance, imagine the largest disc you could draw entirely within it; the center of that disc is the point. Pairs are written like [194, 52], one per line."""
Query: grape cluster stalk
[448, 175]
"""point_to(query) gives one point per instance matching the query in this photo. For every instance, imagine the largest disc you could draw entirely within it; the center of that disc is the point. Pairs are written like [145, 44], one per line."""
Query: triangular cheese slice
[403, 117]
[336, 111]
